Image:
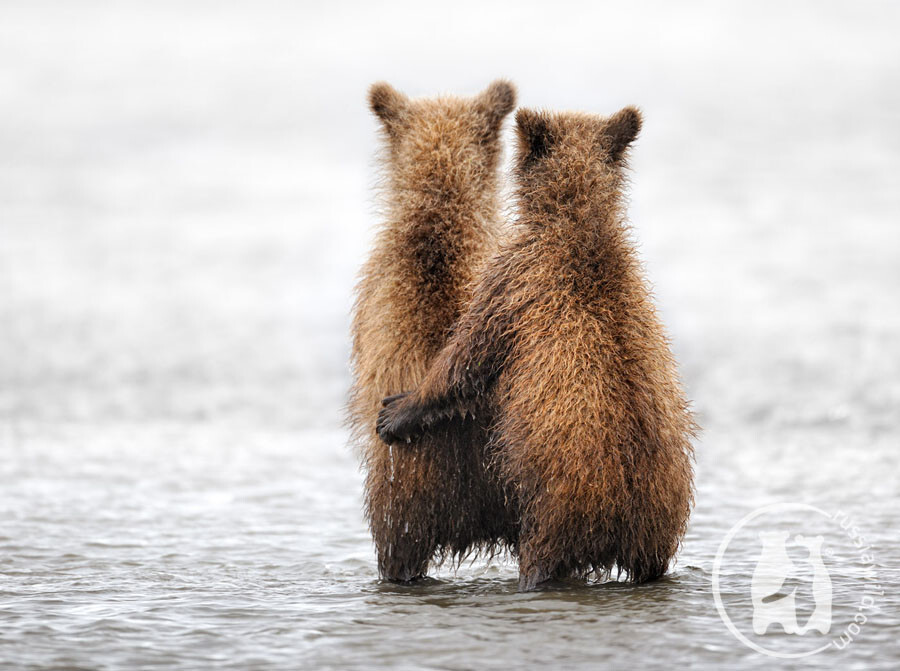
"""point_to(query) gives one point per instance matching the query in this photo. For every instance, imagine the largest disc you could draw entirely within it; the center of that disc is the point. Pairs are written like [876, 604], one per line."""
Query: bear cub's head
[445, 146]
[570, 156]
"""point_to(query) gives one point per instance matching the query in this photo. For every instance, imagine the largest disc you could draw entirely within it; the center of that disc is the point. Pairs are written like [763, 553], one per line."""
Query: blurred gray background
[186, 196]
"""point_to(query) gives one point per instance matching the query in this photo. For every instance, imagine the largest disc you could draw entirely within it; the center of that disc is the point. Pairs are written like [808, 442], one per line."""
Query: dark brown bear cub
[562, 353]
[441, 223]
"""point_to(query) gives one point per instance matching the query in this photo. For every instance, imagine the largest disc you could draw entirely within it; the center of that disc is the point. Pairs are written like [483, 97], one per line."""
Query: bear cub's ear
[620, 131]
[388, 104]
[535, 137]
[496, 102]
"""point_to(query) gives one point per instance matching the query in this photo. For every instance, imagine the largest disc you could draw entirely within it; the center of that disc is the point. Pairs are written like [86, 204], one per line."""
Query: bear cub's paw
[398, 422]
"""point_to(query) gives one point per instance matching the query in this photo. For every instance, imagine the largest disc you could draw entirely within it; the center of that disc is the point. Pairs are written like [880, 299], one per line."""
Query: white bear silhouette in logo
[821, 585]
[773, 568]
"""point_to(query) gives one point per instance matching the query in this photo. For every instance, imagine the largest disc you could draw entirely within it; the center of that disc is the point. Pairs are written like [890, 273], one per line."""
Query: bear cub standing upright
[441, 223]
[561, 352]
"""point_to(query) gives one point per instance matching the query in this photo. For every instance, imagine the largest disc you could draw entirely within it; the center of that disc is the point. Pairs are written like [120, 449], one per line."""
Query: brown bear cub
[442, 223]
[560, 350]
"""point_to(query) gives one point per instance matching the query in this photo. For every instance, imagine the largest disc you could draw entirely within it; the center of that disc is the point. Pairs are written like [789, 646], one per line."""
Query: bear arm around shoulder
[464, 370]
[459, 375]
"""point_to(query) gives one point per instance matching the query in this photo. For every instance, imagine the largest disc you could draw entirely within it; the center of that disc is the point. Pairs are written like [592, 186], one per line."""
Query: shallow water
[183, 203]
[190, 545]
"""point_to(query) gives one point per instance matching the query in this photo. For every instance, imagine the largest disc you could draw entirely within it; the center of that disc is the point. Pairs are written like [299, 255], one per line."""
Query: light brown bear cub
[561, 351]
[442, 222]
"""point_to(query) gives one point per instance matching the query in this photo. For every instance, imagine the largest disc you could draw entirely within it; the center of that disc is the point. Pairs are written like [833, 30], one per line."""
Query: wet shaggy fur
[441, 223]
[561, 352]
